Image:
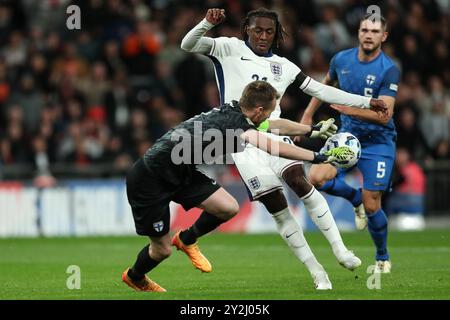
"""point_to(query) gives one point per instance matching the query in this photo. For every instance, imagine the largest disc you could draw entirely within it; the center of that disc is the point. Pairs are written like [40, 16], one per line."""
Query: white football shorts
[262, 172]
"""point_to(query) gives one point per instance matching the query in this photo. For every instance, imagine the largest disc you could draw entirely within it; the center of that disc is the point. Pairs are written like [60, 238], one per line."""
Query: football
[344, 139]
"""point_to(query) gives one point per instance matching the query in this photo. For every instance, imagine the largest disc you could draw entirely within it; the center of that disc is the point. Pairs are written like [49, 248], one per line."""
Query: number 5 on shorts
[381, 169]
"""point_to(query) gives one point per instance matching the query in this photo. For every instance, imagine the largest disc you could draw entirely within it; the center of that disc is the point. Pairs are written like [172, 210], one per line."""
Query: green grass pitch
[255, 267]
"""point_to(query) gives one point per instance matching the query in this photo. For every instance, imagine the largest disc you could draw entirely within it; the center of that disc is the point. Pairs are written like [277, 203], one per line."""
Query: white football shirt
[236, 65]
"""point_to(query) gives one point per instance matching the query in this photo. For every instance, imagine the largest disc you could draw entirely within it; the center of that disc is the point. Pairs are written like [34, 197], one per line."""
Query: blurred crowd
[105, 93]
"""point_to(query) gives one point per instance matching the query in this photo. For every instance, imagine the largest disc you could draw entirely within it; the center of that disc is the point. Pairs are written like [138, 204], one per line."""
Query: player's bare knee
[160, 252]
[227, 210]
[296, 179]
[371, 205]
[371, 201]
[317, 180]
[232, 209]
[274, 201]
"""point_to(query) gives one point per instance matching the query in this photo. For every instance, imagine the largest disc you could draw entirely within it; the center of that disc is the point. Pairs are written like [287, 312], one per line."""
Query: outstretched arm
[276, 148]
[369, 115]
[332, 95]
[286, 150]
[284, 127]
[194, 40]
[314, 104]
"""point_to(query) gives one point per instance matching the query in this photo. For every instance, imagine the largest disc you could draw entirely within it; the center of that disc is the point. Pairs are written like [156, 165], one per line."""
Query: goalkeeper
[159, 177]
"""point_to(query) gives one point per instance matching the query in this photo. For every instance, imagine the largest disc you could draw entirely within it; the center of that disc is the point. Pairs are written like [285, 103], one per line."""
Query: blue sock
[378, 228]
[338, 187]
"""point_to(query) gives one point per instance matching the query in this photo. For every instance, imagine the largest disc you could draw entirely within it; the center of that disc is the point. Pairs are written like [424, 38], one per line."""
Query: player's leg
[264, 185]
[378, 228]
[149, 201]
[218, 205]
[218, 208]
[291, 232]
[376, 170]
[325, 178]
[148, 258]
[319, 211]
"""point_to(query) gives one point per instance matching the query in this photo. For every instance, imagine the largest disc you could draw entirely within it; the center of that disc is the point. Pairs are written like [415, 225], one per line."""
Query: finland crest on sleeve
[276, 69]
[254, 183]
[158, 226]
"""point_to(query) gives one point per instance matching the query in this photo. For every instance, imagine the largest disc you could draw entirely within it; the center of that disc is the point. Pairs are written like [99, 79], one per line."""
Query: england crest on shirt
[254, 183]
[276, 69]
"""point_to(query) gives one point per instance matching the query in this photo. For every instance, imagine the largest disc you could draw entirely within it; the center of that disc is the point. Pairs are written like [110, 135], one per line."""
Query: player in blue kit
[364, 70]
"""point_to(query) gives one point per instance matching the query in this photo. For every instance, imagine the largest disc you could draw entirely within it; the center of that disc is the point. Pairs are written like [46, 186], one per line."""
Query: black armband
[300, 78]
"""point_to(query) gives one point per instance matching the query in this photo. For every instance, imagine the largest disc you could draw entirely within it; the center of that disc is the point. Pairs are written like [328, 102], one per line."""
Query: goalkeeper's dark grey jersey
[175, 154]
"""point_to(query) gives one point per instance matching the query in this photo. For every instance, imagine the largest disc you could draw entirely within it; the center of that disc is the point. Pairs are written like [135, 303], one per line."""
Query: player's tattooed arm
[369, 115]
[194, 40]
[333, 95]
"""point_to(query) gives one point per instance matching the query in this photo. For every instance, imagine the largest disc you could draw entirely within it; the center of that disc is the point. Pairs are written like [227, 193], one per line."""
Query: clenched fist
[215, 16]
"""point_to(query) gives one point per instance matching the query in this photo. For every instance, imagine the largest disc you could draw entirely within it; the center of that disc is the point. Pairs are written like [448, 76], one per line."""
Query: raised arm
[194, 40]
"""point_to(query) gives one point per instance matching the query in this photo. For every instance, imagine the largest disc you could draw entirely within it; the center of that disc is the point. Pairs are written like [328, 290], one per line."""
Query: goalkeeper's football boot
[349, 261]
[145, 285]
[383, 266]
[193, 252]
[321, 281]
[360, 217]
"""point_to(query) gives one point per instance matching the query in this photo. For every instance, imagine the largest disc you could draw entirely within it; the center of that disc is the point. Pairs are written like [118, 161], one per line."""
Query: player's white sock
[292, 233]
[319, 211]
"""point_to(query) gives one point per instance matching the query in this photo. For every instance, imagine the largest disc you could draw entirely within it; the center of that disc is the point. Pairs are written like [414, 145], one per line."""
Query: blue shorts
[376, 165]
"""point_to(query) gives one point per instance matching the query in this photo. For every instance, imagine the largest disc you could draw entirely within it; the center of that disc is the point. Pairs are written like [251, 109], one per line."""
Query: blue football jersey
[378, 77]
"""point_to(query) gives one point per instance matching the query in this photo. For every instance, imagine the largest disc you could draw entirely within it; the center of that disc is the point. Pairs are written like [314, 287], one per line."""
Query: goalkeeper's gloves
[324, 129]
[338, 155]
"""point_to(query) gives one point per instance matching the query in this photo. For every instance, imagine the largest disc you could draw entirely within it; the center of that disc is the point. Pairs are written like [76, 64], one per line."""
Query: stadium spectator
[127, 57]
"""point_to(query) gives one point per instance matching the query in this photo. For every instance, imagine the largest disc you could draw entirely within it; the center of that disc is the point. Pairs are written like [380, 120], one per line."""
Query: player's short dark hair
[258, 93]
[372, 17]
[265, 13]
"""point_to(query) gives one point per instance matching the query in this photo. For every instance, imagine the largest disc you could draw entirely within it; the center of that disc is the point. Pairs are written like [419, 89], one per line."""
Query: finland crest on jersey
[370, 79]
[236, 65]
[158, 226]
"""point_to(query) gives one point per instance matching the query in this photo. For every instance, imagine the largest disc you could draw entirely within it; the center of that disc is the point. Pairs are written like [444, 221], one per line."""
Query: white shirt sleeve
[225, 47]
[194, 41]
[332, 95]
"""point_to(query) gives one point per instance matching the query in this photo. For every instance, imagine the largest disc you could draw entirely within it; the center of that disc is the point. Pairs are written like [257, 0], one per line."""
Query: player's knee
[297, 181]
[316, 180]
[161, 252]
[226, 210]
[231, 209]
[371, 205]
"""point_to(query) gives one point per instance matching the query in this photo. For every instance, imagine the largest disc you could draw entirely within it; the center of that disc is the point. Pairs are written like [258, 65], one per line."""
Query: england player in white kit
[236, 64]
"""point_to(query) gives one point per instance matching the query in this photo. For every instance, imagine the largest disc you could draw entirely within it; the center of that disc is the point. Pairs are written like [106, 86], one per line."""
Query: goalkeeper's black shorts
[149, 196]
